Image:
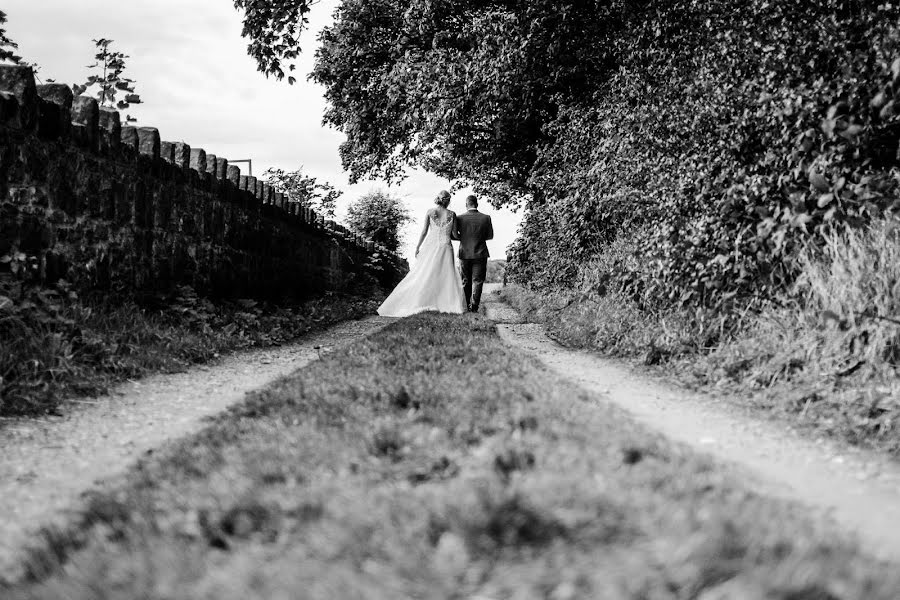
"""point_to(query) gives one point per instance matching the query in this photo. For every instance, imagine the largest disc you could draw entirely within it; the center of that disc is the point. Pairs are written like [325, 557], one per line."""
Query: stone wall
[112, 207]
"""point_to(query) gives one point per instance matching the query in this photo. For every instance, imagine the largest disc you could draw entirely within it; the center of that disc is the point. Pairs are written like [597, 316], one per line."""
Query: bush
[731, 135]
[379, 216]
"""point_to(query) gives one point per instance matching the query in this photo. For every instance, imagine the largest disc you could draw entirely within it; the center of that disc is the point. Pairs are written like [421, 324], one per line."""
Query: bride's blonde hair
[443, 198]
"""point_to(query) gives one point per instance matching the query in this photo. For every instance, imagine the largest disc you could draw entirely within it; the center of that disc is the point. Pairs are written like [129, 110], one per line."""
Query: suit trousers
[474, 271]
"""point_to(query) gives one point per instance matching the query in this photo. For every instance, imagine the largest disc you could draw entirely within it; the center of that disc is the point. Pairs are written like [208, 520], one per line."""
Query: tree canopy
[462, 88]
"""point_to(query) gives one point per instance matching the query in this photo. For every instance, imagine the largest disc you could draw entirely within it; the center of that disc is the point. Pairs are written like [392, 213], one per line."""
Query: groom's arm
[454, 229]
[490, 230]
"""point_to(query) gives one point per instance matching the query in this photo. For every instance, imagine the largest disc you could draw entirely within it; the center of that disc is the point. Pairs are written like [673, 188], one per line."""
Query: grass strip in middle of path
[431, 461]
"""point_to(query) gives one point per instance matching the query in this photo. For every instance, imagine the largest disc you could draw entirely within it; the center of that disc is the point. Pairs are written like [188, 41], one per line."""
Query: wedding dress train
[433, 283]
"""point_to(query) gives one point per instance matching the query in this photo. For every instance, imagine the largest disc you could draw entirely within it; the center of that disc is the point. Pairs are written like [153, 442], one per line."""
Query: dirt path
[859, 490]
[46, 464]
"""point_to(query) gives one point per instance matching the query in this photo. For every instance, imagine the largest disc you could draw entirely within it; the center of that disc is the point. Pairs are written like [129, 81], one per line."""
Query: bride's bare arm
[454, 226]
[424, 231]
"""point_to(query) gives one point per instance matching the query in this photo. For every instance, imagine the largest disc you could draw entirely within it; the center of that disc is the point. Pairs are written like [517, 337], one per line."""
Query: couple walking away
[433, 282]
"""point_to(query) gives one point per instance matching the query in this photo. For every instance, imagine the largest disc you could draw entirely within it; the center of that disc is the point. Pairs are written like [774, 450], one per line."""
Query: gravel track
[46, 464]
[858, 490]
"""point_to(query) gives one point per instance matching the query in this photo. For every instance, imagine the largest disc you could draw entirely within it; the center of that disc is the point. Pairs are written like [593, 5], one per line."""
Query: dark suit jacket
[473, 229]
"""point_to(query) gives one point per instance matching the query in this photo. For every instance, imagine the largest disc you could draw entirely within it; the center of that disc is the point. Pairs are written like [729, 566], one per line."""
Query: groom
[473, 230]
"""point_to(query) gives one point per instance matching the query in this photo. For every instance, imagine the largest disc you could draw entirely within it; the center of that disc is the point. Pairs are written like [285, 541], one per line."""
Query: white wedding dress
[433, 283]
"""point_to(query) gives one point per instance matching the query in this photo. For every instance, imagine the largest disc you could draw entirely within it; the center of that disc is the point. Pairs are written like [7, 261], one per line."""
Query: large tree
[462, 88]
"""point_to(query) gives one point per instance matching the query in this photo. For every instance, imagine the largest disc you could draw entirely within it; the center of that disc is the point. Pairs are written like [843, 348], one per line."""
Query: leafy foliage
[274, 28]
[7, 46]
[109, 79]
[729, 135]
[302, 188]
[379, 216]
[462, 88]
[825, 357]
[688, 148]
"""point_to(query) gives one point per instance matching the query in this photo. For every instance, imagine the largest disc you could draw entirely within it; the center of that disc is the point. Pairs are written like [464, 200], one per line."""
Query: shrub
[379, 216]
[730, 136]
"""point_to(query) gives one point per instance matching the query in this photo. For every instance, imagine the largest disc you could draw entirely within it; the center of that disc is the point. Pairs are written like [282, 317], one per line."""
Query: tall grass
[826, 355]
[853, 281]
[53, 346]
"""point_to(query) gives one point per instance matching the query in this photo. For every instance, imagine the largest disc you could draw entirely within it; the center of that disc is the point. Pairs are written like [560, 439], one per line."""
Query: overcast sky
[199, 86]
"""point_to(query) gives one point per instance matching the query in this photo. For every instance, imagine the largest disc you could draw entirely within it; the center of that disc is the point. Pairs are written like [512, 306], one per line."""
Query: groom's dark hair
[472, 201]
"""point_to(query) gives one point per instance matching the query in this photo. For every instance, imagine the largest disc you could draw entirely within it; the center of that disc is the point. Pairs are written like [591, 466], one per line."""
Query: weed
[56, 344]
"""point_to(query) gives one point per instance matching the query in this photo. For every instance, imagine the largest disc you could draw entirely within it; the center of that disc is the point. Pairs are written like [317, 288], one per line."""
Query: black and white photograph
[449, 300]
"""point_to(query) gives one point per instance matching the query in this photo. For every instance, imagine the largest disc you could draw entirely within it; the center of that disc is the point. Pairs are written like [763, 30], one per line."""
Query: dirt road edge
[859, 490]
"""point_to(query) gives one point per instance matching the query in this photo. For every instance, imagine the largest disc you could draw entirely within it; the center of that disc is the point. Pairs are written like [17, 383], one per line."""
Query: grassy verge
[56, 345]
[430, 461]
[826, 360]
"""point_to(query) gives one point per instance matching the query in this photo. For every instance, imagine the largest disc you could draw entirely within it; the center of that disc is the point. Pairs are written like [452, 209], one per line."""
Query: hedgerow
[731, 134]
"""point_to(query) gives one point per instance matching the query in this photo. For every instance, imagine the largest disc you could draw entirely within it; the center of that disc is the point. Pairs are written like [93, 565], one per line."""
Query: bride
[433, 282]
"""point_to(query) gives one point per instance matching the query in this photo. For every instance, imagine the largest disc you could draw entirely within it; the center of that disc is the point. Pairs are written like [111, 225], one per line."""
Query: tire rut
[856, 489]
[46, 464]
